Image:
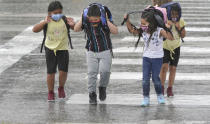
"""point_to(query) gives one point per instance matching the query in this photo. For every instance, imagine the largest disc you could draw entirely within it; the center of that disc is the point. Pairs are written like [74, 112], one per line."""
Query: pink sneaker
[61, 92]
[51, 96]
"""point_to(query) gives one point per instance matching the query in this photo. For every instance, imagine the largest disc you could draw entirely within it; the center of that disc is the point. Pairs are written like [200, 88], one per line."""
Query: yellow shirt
[56, 36]
[171, 45]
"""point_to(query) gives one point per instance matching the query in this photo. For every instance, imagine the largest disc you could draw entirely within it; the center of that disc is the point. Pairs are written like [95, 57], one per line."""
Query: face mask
[174, 19]
[144, 28]
[56, 17]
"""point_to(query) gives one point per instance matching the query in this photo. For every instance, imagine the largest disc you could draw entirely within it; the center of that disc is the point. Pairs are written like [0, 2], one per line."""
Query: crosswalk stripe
[195, 15]
[17, 47]
[186, 39]
[143, 122]
[192, 50]
[196, 8]
[188, 29]
[179, 76]
[198, 23]
[135, 100]
[196, 18]
[117, 61]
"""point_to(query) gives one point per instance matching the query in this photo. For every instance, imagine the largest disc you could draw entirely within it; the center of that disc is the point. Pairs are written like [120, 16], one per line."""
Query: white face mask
[174, 19]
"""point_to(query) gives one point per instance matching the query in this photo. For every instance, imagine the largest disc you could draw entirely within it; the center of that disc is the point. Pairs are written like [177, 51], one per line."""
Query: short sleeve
[182, 23]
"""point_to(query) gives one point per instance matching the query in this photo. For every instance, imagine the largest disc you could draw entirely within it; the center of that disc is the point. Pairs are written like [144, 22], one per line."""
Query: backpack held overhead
[169, 7]
[103, 9]
[68, 31]
[160, 16]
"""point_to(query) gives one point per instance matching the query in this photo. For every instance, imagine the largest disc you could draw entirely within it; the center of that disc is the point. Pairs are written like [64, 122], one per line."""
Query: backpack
[103, 10]
[160, 16]
[68, 31]
[168, 7]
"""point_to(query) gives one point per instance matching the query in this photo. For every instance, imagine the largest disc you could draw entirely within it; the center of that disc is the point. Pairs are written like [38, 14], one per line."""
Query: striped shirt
[98, 39]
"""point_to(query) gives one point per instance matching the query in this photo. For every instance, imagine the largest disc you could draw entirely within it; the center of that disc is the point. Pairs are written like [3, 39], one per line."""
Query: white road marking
[186, 39]
[135, 100]
[179, 76]
[181, 61]
[17, 47]
[144, 122]
[188, 29]
[192, 50]
[198, 23]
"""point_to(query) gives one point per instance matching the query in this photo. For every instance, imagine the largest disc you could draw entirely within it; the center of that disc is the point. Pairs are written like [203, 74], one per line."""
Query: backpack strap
[44, 33]
[180, 32]
[68, 30]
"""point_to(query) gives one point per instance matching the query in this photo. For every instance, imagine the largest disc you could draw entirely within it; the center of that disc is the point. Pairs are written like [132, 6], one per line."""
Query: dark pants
[60, 60]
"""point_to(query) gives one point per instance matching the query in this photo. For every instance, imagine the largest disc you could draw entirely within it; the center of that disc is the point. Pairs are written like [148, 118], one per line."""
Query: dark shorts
[61, 59]
[167, 58]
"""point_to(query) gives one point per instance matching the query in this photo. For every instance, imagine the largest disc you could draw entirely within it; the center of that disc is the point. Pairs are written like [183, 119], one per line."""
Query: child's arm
[39, 27]
[78, 26]
[113, 29]
[131, 29]
[182, 30]
[166, 35]
[71, 22]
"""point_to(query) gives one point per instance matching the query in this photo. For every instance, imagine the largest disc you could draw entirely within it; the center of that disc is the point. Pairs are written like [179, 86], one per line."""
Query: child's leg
[51, 62]
[62, 78]
[105, 68]
[165, 66]
[50, 82]
[147, 66]
[93, 67]
[63, 63]
[172, 75]
[163, 73]
[173, 66]
[156, 67]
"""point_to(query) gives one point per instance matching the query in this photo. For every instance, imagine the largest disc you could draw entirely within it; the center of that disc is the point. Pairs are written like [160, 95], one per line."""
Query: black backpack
[68, 31]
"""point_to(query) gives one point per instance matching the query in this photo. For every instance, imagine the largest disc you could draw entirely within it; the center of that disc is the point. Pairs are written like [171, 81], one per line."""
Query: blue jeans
[151, 66]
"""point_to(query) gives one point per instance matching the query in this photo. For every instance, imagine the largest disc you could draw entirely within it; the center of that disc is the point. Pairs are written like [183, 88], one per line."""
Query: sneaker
[102, 93]
[170, 92]
[163, 90]
[92, 98]
[145, 102]
[51, 96]
[61, 92]
[161, 99]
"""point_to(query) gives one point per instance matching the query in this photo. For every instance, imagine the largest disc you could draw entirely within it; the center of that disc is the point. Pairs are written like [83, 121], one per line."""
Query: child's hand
[177, 25]
[170, 23]
[126, 16]
[70, 21]
[47, 19]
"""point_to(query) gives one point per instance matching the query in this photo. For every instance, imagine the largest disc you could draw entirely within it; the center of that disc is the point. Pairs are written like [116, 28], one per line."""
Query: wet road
[23, 91]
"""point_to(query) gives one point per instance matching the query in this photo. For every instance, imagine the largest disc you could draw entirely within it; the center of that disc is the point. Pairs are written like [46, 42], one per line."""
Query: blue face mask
[57, 17]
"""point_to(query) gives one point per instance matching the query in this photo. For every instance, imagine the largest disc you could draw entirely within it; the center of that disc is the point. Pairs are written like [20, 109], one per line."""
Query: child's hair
[150, 18]
[94, 11]
[54, 6]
